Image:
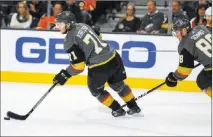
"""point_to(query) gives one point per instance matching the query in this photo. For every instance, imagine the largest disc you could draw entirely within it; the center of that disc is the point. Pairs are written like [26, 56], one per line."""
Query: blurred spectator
[129, 23]
[2, 22]
[5, 8]
[189, 8]
[46, 22]
[100, 11]
[87, 6]
[37, 8]
[176, 13]
[8, 7]
[201, 2]
[208, 16]
[21, 19]
[74, 8]
[152, 21]
[199, 19]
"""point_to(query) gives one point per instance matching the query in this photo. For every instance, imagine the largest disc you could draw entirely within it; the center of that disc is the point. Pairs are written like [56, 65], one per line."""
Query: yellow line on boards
[45, 78]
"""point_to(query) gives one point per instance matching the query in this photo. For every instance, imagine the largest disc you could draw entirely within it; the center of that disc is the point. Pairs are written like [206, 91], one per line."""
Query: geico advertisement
[40, 51]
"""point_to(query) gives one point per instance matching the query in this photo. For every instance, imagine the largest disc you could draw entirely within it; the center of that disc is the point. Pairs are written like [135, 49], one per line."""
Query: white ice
[71, 110]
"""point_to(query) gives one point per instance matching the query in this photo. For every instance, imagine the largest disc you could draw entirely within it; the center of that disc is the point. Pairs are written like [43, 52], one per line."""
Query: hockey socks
[208, 91]
[127, 96]
[106, 99]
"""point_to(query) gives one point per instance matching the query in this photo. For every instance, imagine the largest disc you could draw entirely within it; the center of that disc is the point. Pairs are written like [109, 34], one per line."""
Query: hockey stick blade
[16, 116]
[24, 117]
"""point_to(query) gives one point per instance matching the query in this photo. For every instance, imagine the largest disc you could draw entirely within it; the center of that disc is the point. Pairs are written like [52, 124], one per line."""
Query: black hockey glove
[171, 81]
[61, 77]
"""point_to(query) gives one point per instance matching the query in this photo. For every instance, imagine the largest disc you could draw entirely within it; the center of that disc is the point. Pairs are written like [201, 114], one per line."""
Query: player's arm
[76, 65]
[186, 64]
[77, 59]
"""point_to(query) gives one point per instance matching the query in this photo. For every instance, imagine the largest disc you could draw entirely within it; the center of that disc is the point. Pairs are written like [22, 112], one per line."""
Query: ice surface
[71, 110]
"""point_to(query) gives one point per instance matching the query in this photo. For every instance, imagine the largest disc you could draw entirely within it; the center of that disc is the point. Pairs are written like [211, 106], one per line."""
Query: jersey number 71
[98, 45]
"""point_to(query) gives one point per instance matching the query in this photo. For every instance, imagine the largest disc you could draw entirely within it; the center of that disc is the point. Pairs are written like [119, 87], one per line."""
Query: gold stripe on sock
[208, 91]
[128, 97]
[107, 101]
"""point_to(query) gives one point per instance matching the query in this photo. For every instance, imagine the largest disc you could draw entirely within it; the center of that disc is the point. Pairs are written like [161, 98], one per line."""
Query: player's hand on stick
[171, 81]
[61, 77]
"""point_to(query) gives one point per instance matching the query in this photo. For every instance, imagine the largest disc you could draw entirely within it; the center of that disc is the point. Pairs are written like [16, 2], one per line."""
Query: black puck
[6, 118]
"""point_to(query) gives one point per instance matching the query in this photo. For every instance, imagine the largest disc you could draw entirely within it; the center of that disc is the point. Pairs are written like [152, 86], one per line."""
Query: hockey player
[104, 64]
[208, 16]
[195, 44]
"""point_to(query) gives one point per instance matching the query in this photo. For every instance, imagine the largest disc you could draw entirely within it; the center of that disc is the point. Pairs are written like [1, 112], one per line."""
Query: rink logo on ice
[38, 50]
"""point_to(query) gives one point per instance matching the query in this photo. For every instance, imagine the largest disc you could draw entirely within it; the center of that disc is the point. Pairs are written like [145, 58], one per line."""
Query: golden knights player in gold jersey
[195, 44]
[104, 64]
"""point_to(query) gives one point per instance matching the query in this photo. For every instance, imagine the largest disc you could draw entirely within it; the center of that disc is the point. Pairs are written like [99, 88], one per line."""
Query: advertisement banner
[40, 54]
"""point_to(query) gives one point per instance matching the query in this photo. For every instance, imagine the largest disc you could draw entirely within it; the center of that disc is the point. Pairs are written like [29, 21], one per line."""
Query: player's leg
[96, 81]
[208, 91]
[204, 82]
[116, 82]
[126, 94]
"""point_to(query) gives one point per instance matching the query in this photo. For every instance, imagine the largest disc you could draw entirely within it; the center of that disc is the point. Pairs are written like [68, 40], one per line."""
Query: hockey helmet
[66, 17]
[208, 12]
[179, 24]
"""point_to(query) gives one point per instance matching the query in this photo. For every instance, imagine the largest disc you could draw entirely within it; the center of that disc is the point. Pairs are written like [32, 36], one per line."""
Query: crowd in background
[33, 14]
[155, 22]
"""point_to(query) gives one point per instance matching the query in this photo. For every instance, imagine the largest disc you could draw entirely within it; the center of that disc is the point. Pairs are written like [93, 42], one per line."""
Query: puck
[6, 118]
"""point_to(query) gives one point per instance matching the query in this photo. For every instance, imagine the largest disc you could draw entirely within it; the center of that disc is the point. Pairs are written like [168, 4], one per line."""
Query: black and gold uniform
[196, 45]
[105, 65]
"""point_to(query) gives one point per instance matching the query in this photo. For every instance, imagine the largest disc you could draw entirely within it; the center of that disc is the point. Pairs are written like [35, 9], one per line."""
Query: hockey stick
[144, 94]
[24, 117]
[197, 65]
